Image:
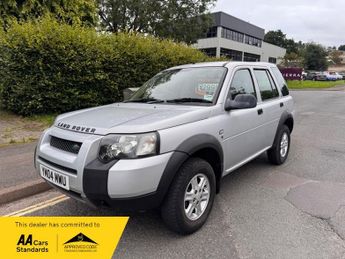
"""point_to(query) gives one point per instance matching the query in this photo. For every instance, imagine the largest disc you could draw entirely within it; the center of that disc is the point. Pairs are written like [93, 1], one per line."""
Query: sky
[317, 21]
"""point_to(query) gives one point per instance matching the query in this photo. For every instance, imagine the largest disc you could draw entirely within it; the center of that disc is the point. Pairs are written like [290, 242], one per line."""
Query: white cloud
[306, 20]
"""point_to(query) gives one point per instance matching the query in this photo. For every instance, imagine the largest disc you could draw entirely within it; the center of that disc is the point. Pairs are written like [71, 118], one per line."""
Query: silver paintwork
[129, 178]
[242, 134]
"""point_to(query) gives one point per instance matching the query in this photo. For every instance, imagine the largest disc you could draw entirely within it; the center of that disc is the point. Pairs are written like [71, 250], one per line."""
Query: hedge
[47, 67]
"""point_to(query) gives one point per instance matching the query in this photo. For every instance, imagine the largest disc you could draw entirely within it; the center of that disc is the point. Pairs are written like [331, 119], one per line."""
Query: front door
[243, 129]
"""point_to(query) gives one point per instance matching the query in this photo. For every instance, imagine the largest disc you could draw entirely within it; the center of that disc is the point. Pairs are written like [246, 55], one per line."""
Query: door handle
[260, 111]
[281, 104]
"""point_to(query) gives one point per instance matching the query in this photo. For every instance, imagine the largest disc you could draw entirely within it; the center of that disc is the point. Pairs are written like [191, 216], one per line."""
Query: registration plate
[54, 177]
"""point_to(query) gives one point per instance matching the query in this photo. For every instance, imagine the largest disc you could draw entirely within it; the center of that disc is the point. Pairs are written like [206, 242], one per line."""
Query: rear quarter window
[280, 80]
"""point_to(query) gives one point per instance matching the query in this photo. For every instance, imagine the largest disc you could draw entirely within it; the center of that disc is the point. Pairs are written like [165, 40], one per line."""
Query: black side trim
[95, 179]
[66, 169]
[174, 164]
[198, 142]
[283, 118]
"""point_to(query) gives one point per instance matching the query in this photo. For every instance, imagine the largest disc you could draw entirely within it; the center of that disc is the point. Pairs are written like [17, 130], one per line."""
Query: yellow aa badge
[60, 237]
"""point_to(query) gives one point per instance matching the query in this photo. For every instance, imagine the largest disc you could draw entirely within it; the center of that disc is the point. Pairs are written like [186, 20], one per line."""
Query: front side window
[242, 83]
[195, 85]
[266, 85]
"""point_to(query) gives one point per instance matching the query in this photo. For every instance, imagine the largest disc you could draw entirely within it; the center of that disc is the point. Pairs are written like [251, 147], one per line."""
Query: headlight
[128, 146]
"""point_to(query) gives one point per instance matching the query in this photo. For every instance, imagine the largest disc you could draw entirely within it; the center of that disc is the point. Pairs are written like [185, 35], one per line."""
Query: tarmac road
[293, 211]
[17, 165]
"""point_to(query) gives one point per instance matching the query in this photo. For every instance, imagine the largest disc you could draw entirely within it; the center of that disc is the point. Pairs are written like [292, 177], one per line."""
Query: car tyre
[279, 152]
[177, 209]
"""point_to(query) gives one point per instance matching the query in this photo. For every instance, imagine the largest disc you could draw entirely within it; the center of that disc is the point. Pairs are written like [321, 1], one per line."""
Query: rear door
[270, 105]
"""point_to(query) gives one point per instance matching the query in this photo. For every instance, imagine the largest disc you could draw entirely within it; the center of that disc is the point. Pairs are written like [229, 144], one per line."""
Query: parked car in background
[316, 76]
[330, 76]
[337, 75]
[304, 75]
[343, 75]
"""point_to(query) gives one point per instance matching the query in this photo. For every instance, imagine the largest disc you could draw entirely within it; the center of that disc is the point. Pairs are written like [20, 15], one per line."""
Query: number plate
[54, 177]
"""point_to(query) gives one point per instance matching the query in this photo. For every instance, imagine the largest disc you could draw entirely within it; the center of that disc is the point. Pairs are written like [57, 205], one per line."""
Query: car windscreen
[197, 85]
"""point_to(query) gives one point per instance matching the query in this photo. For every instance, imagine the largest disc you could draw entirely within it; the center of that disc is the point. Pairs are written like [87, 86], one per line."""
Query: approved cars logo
[80, 243]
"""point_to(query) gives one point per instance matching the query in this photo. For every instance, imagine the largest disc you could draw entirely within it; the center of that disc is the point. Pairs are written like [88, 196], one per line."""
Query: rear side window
[242, 83]
[281, 81]
[266, 85]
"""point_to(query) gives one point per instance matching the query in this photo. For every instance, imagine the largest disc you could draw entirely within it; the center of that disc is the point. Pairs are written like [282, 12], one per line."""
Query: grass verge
[16, 129]
[314, 84]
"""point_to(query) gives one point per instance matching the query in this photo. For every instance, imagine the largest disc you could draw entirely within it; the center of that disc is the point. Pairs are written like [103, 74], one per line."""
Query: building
[239, 41]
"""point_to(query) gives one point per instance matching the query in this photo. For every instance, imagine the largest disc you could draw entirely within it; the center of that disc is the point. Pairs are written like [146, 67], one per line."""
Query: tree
[292, 60]
[69, 11]
[341, 47]
[315, 57]
[181, 20]
[277, 38]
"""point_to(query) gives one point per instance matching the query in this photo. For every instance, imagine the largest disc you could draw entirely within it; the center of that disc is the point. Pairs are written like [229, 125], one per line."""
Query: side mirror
[242, 101]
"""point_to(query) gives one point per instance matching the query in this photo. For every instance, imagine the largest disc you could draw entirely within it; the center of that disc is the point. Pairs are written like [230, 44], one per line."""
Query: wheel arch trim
[183, 152]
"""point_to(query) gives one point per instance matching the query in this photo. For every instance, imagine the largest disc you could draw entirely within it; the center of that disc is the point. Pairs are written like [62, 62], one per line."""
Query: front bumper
[124, 184]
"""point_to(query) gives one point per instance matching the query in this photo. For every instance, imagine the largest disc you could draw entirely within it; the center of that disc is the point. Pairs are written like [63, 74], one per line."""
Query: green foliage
[315, 57]
[48, 67]
[278, 38]
[181, 20]
[68, 11]
[314, 84]
[341, 47]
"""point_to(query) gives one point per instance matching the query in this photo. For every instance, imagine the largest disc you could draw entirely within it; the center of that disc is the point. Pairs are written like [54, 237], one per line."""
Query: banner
[60, 237]
[292, 73]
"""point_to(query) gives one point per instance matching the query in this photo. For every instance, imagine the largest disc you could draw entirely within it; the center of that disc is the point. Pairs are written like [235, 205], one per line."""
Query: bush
[47, 67]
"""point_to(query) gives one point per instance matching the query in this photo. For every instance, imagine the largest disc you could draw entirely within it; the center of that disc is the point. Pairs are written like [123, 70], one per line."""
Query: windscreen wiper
[188, 100]
[145, 100]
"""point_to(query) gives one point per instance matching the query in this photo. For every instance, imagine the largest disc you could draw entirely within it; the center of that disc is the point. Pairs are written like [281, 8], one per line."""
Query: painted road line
[38, 206]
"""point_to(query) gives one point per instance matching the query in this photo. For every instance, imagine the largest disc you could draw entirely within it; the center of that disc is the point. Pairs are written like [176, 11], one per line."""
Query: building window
[212, 32]
[272, 60]
[251, 57]
[234, 55]
[232, 35]
[211, 52]
[253, 41]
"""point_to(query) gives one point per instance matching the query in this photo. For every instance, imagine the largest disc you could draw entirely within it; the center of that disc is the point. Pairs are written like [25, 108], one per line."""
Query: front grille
[65, 145]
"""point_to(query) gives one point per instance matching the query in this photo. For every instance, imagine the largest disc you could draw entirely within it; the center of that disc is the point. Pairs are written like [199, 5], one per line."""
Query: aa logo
[23, 241]
[28, 244]
[80, 243]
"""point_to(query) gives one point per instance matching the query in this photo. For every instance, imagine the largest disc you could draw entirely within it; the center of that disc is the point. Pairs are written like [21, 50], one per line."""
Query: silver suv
[172, 142]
